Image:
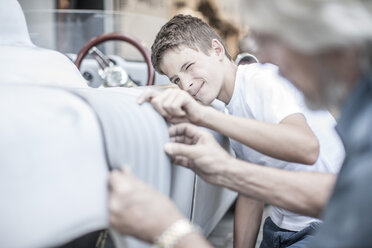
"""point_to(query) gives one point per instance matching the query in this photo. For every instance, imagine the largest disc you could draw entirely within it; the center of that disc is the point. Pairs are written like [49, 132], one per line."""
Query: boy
[267, 124]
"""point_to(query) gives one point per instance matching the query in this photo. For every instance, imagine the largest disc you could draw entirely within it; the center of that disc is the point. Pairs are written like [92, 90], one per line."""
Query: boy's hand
[174, 105]
[137, 209]
[197, 149]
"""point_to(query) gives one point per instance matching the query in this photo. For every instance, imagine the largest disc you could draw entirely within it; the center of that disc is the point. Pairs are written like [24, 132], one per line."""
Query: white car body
[59, 138]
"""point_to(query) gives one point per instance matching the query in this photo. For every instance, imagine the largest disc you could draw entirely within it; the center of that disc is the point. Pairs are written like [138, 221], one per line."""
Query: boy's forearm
[247, 221]
[281, 141]
[298, 191]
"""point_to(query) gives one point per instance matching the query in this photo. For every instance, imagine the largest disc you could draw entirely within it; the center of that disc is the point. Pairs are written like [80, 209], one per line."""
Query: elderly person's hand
[137, 209]
[195, 148]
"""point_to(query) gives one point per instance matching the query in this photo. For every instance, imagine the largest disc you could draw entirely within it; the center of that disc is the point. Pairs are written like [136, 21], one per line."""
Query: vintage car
[62, 131]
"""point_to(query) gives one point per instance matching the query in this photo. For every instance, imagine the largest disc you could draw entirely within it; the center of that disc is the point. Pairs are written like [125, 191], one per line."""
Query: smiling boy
[266, 123]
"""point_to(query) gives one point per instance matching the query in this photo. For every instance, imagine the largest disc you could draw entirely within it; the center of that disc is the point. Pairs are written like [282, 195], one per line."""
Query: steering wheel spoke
[100, 57]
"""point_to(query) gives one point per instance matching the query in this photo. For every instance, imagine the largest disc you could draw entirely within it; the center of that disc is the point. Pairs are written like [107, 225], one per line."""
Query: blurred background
[66, 25]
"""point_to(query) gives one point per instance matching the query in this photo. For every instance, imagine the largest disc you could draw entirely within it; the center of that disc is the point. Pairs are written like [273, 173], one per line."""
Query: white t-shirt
[261, 93]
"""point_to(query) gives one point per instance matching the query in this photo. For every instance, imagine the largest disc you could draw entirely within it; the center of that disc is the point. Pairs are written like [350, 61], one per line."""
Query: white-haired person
[324, 48]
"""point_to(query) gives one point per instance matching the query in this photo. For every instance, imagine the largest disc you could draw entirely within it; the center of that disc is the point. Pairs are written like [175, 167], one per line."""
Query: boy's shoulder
[260, 75]
[258, 69]
[264, 81]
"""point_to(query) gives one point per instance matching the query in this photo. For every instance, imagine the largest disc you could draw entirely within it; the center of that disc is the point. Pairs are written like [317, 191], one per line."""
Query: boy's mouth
[197, 91]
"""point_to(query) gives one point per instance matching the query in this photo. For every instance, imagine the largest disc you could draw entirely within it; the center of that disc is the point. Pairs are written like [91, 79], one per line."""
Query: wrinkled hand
[137, 209]
[174, 105]
[195, 148]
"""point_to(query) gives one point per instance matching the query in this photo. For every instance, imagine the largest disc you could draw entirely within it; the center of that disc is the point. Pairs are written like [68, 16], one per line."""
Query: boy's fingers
[174, 110]
[171, 105]
[147, 95]
[176, 120]
[157, 103]
[183, 100]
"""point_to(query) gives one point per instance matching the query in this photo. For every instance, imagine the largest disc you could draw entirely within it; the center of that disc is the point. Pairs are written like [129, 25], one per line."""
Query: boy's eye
[189, 66]
[176, 81]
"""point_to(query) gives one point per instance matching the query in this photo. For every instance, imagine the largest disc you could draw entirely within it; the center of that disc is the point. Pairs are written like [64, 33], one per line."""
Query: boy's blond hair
[183, 30]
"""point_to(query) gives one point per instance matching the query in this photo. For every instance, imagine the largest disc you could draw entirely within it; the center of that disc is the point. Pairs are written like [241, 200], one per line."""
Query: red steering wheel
[115, 36]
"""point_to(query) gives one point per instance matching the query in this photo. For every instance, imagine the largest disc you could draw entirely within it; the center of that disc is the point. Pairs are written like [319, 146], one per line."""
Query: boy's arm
[247, 221]
[291, 140]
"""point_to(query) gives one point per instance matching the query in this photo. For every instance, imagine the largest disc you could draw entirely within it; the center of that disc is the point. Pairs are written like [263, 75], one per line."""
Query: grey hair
[312, 26]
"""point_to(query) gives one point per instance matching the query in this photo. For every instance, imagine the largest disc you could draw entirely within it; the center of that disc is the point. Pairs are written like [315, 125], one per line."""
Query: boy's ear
[218, 49]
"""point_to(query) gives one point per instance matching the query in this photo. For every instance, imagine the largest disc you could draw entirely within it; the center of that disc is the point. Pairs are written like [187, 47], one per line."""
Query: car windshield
[67, 31]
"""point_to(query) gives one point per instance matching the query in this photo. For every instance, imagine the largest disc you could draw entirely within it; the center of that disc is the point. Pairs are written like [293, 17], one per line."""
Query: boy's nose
[186, 84]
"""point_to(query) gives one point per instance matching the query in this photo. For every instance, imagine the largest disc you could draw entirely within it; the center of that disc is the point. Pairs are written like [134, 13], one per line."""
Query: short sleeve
[269, 97]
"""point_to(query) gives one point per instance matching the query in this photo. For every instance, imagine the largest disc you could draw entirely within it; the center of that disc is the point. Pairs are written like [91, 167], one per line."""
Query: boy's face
[199, 74]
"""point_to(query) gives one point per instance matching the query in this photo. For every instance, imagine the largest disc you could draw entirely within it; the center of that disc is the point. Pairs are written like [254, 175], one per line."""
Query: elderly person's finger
[120, 182]
[188, 130]
[117, 176]
[177, 149]
[181, 160]
[182, 139]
